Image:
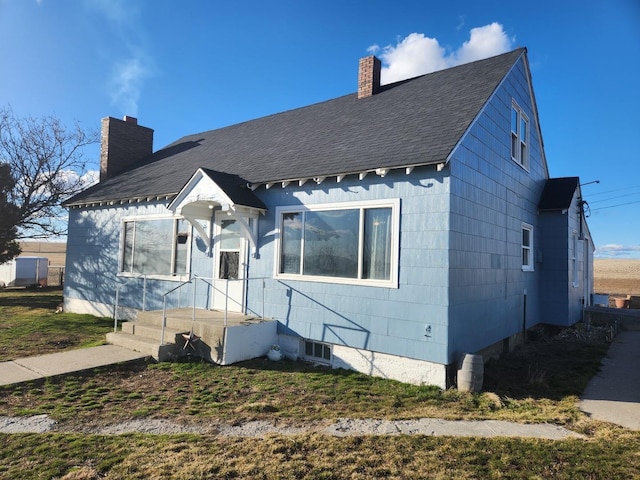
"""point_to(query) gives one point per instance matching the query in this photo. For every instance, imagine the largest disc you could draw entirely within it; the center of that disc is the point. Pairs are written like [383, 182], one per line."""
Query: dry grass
[56, 252]
[75, 456]
[617, 276]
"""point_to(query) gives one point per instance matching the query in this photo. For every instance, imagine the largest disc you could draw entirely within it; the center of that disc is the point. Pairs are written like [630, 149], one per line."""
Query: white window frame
[517, 135]
[393, 203]
[314, 345]
[574, 259]
[181, 277]
[528, 267]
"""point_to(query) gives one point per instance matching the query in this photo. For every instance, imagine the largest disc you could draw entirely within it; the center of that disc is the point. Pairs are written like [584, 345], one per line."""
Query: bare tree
[47, 166]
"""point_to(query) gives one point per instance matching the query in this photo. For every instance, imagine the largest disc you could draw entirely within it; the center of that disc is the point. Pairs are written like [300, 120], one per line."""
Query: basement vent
[317, 351]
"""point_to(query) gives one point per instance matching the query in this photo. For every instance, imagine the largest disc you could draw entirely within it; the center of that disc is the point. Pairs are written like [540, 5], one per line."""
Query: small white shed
[24, 272]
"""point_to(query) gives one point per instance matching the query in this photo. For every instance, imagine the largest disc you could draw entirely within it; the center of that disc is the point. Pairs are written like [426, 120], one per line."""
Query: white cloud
[484, 42]
[126, 84]
[418, 54]
[90, 177]
[616, 250]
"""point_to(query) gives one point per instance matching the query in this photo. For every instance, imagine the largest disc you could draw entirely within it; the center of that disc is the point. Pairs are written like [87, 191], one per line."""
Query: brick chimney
[368, 76]
[124, 142]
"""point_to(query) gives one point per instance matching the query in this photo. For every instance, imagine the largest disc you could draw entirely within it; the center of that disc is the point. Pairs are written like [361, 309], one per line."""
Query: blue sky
[188, 66]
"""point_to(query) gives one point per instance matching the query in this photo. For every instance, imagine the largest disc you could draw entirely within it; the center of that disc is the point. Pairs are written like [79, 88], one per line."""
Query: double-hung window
[155, 247]
[353, 242]
[519, 136]
[527, 247]
[574, 259]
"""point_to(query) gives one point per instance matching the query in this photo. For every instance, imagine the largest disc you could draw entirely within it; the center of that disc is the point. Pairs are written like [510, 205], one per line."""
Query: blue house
[389, 231]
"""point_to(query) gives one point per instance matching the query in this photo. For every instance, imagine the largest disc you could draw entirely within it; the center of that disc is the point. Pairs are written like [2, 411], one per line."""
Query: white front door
[230, 256]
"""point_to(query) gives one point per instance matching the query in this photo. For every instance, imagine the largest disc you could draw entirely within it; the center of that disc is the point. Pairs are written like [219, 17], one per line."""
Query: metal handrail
[164, 308]
[211, 282]
[117, 302]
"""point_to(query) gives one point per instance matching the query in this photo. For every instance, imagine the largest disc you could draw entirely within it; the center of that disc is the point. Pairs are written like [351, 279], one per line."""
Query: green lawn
[30, 326]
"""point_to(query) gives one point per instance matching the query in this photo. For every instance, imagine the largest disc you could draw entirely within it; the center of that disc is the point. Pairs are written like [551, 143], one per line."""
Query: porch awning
[207, 190]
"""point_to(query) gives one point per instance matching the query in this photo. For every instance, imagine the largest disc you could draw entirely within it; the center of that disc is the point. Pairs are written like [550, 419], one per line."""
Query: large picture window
[348, 243]
[155, 247]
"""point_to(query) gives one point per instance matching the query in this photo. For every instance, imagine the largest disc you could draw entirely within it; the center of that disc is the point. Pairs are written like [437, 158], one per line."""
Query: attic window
[519, 136]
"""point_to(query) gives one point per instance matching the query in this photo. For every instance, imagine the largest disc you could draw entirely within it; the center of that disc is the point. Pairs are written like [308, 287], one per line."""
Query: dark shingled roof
[558, 193]
[235, 189]
[412, 122]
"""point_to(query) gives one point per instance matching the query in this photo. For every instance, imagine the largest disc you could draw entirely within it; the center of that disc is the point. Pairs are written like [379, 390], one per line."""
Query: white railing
[164, 307]
[117, 303]
[211, 283]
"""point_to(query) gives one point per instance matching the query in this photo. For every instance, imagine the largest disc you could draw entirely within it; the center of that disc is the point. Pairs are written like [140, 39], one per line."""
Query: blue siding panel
[375, 318]
[491, 196]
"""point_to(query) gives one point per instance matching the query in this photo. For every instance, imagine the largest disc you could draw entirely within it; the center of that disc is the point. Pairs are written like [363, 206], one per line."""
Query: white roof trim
[200, 189]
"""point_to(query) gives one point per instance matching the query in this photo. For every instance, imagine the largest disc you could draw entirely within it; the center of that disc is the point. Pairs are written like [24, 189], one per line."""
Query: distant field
[54, 251]
[616, 277]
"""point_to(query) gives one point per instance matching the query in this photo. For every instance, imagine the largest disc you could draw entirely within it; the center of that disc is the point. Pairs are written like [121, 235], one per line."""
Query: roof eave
[318, 179]
[119, 201]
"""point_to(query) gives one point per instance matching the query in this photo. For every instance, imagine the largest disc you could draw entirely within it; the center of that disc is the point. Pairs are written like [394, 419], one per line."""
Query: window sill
[170, 278]
[528, 269]
[524, 167]
[339, 281]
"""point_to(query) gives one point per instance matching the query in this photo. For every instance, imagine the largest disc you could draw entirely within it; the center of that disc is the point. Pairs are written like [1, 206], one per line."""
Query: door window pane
[229, 265]
[182, 247]
[229, 235]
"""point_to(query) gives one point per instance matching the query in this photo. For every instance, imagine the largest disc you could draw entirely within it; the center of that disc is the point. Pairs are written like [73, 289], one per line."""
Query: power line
[613, 191]
[617, 196]
[612, 206]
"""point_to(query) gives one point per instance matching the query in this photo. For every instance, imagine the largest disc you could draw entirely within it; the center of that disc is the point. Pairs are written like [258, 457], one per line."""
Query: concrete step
[152, 332]
[177, 321]
[155, 317]
[210, 332]
[141, 344]
[182, 318]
